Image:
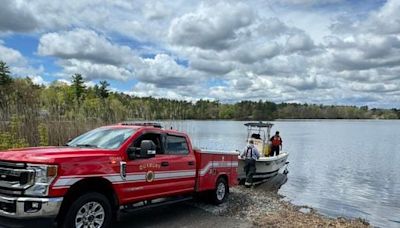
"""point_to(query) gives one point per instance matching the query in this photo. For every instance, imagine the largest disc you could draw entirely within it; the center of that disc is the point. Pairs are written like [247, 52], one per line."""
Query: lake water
[340, 167]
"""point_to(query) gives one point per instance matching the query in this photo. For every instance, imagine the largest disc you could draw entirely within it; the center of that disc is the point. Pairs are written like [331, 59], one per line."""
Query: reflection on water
[340, 167]
[274, 183]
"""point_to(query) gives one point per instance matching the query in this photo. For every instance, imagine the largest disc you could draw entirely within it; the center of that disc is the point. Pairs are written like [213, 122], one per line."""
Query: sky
[333, 52]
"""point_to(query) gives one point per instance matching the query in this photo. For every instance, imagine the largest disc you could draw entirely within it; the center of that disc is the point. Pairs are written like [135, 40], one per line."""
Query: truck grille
[9, 207]
[14, 178]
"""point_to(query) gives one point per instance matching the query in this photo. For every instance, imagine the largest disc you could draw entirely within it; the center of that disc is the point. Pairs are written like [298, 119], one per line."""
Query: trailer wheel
[220, 194]
[89, 210]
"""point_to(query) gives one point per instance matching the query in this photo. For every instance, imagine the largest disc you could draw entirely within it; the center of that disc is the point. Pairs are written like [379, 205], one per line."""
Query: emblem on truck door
[149, 176]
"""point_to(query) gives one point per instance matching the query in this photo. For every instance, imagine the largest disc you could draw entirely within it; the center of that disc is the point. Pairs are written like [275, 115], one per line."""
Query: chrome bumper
[29, 207]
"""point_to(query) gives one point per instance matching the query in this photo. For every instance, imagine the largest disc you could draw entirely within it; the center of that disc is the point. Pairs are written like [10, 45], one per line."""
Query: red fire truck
[95, 176]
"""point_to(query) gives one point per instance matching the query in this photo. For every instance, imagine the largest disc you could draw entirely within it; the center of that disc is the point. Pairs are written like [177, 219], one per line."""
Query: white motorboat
[266, 166]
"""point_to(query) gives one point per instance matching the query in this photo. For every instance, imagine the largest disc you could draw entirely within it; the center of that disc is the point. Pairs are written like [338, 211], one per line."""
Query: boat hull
[266, 167]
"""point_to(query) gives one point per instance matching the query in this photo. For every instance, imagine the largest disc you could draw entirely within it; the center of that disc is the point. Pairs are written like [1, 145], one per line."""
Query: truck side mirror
[147, 149]
[132, 152]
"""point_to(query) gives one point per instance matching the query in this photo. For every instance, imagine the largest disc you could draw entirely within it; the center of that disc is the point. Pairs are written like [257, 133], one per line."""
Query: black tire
[221, 191]
[78, 204]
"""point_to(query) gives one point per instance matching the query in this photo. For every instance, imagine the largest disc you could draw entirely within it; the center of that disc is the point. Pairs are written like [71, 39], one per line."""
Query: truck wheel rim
[90, 215]
[221, 191]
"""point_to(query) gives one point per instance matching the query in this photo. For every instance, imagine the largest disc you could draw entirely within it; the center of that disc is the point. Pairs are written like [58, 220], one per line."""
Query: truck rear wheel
[89, 210]
[220, 194]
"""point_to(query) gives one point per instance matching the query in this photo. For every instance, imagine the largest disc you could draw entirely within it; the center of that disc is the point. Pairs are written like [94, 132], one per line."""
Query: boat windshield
[106, 138]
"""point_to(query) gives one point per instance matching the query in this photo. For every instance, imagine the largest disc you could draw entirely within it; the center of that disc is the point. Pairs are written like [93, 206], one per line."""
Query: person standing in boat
[251, 154]
[276, 144]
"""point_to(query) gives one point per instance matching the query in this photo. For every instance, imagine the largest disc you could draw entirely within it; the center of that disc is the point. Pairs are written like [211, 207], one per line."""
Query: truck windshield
[107, 138]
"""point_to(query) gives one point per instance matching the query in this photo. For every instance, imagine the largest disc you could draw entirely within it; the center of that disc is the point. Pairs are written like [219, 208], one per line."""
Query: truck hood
[52, 155]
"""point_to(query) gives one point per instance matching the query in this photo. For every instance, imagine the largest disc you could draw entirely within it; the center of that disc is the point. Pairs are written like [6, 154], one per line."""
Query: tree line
[35, 115]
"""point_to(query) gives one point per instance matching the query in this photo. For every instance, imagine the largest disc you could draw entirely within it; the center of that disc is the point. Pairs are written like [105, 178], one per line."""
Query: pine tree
[5, 77]
[103, 91]
[78, 87]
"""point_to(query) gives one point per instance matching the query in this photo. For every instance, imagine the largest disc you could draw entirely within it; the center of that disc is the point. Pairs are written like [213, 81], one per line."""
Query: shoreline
[263, 207]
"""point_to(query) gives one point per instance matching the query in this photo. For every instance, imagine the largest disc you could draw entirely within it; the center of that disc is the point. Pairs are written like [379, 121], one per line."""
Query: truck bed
[212, 164]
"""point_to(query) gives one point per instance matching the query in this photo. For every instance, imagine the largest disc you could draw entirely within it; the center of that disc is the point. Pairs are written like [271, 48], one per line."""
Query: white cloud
[148, 89]
[212, 66]
[272, 27]
[301, 83]
[246, 54]
[90, 84]
[19, 65]
[282, 66]
[163, 71]
[376, 87]
[63, 81]
[16, 16]
[384, 21]
[38, 80]
[299, 42]
[156, 10]
[364, 51]
[84, 44]
[308, 2]
[11, 56]
[92, 71]
[95, 57]
[213, 26]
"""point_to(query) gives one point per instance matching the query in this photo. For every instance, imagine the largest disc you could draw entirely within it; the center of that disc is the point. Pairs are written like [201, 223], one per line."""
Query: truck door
[171, 171]
[140, 181]
[181, 163]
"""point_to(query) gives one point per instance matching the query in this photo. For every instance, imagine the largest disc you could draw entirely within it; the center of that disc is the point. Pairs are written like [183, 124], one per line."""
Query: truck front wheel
[89, 210]
[221, 191]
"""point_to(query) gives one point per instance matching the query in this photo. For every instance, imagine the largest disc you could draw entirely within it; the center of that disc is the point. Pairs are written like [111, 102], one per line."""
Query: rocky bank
[264, 207]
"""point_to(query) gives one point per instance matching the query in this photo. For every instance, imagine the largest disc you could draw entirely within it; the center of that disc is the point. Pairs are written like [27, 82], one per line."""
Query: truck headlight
[44, 175]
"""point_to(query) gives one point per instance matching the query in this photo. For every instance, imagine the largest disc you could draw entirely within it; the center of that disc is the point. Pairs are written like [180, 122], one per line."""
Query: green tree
[5, 81]
[103, 90]
[5, 77]
[226, 111]
[78, 86]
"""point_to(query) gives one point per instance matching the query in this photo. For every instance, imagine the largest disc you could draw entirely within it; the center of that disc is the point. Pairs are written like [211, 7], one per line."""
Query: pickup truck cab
[87, 182]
